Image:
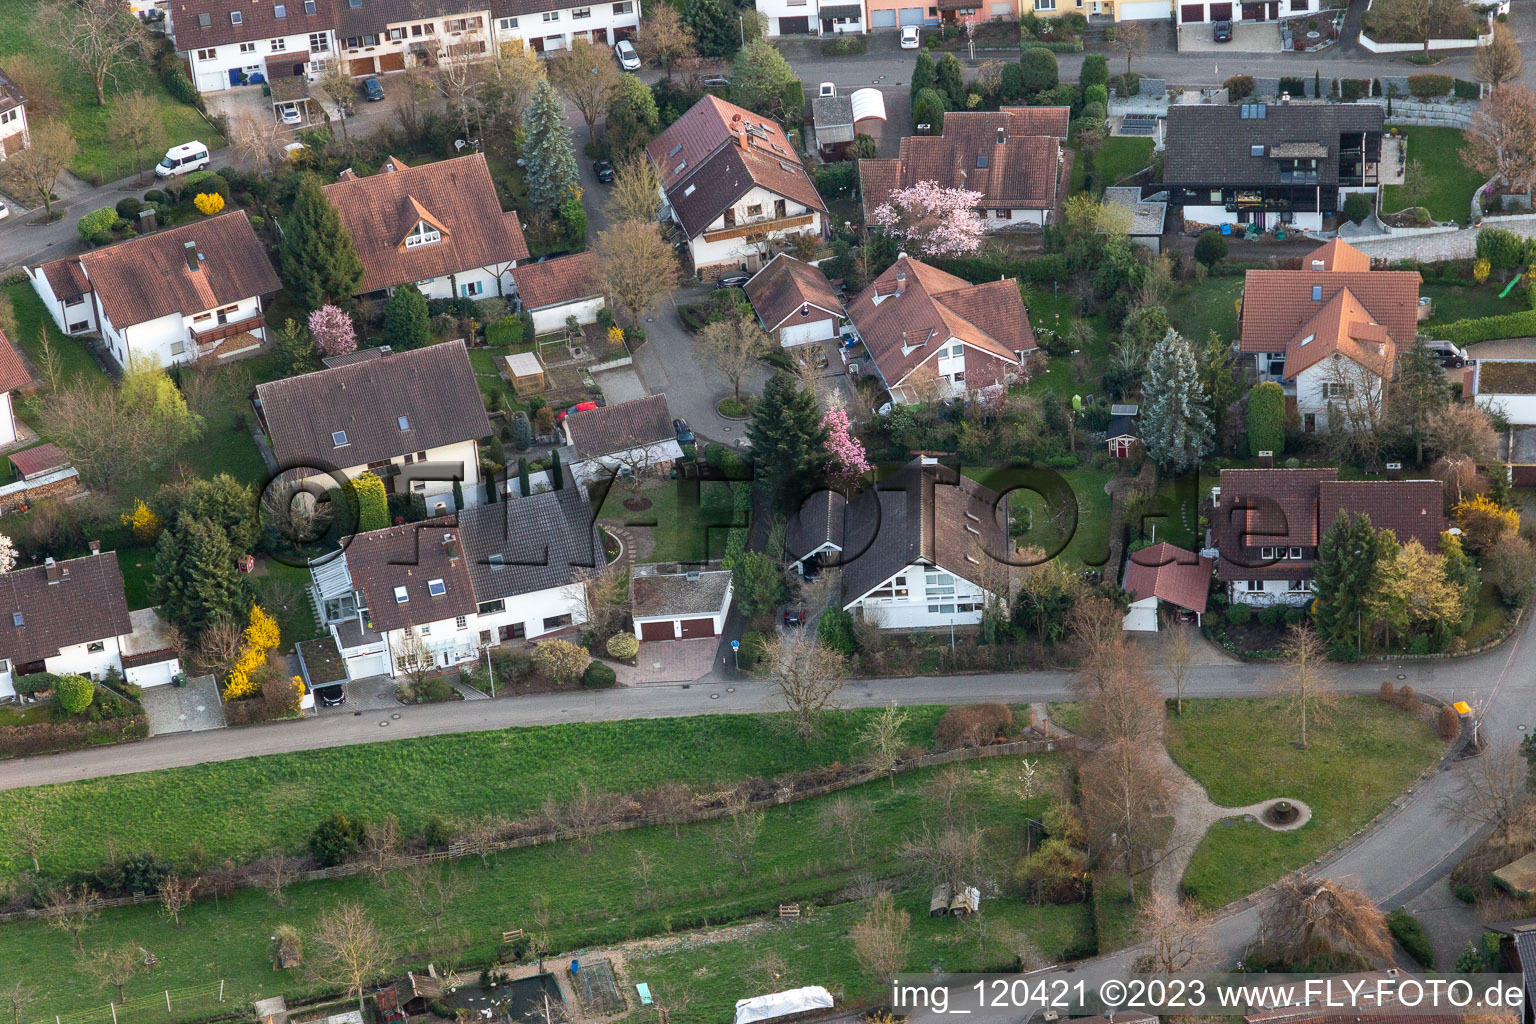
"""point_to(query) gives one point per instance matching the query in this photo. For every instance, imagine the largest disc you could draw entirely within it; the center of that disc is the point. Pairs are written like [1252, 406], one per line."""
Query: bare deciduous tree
[733, 347]
[665, 38]
[381, 847]
[582, 816]
[71, 910]
[277, 870]
[349, 950]
[431, 889]
[1304, 683]
[671, 803]
[1491, 791]
[949, 854]
[480, 835]
[100, 36]
[1422, 19]
[1123, 784]
[28, 837]
[136, 126]
[587, 76]
[15, 997]
[848, 818]
[1500, 140]
[1357, 411]
[635, 193]
[338, 88]
[257, 140]
[1311, 915]
[1123, 703]
[638, 266]
[115, 966]
[1177, 659]
[1178, 935]
[1131, 40]
[1501, 60]
[1462, 429]
[735, 836]
[32, 173]
[219, 646]
[175, 895]
[880, 939]
[804, 676]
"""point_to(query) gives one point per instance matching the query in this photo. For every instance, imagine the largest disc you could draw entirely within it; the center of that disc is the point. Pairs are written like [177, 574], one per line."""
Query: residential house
[71, 617]
[1517, 951]
[1122, 436]
[556, 290]
[441, 591]
[894, 13]
[1266, 524]
[1146, 218]
[230, 43]
[672, 602]
[412, 418]
[794, 302]
[1012, 156]
[13, 118]
[1265, 164]
[381, 36]
[811, 17]
[1198, 11]
[1164, 574]
[1329, 333]
[734, 185]
[170, 297]
[631, 438]
[438, 225]
[932, 335]
[14, 376]
[549, 26]
[921, 549]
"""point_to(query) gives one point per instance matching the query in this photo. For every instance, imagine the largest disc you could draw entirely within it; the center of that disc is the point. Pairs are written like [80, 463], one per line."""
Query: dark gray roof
[540, 541]
[1209, 144]
[10, 93]
[1121, 426]
[832, 110]
[431, 389]
[617, 428]
[83, 603]
[663, 590]
[819, 521]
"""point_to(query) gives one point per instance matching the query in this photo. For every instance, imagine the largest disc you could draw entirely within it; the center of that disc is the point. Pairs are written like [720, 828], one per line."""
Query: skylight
[674, 151]
[1308, 338]
[497, 559]
[981, 160]
[235, 18]
[682, 164]
[204, 20]
[16, 620]
[1255, 150]
[339, 438]
[1317, 293]
[279, 10]
[437, 588]
[689, 190]
[404, 421]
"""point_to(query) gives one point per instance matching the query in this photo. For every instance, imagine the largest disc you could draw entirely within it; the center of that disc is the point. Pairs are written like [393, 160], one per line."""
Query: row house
[230, 43]
[547, 28]
[170, 297]
[13, 117]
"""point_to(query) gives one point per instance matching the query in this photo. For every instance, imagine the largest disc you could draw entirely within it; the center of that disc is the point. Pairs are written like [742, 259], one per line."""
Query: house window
[491, 607]
[436, 588]
[556, 622]
[551, 15]
[1254, 585]
[421, 456]
[1268, 554]
[207, 54]
[627, 7]
[755, 210]
[1317, 293]
[1296, 586]
[422, 234]
[939, 584]
[178, 347]
[942, 609]
[472, 288]
[896, 588]
[1296, 553]
[17, 620]
[426, 630]
[460, 622]
[580, 12]
[507, 23]
[320, 42]
[279, 44]
[960, 377]
[1334, 389]
[395, 33]
[1003, 214]
[247, 47]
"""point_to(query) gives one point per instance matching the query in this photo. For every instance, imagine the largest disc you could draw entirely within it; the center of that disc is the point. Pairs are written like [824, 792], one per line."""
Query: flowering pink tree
[846, 461]
[332, 330]
[933, 220]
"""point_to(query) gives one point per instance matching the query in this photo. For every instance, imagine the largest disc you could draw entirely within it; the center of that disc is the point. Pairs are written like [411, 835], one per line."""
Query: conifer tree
[924, 74]
[406, 324]
[317, 258]
[1176, 427]
[196, 581]
[788, 442]
[551, 159]
[1342, 577]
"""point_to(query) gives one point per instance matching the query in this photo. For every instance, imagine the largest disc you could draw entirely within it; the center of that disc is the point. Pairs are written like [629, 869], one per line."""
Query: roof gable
[411, 574]
[1278, 303]
[785, 286]
[1169, 574]
[617, 428]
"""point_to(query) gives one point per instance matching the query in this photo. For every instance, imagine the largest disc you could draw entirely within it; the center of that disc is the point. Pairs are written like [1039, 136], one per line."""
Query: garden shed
[526, 373]
[39, 461]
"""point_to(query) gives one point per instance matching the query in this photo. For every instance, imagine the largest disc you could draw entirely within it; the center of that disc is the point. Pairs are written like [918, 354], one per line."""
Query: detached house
[1329, 333]
[1265, 164]
[1012, 156]
[794, 302]
[13, 377]
[229, 43]
[170, 297]
[557, 289]
[932, 335]
[1266, 524]
[918, 550]
[13, 117]
[734, 185]
[628, 438]
[439, 225]
[412, 418]
[811, 17]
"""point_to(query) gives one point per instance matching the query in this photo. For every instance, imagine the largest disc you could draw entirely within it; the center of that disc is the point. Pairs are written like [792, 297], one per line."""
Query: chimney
[51, 568]
[95, 546]
[1285, 99]
[190, 249]
[901, 281]
[451, 547]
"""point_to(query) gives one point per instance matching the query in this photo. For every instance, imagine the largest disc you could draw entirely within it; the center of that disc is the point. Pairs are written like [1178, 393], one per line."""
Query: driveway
[371, 693]
[670, 661]
[1247, 37]
[191, 708]
[621, 385]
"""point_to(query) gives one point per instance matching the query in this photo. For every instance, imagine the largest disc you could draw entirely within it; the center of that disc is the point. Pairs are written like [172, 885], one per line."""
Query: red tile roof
[1170, 574]
[1411, 509]
[618, 428]
[1336, 256]
[1344, 326]
[45, 458]
[1278, 304]
[13, 370]
[566, 279]
[785, 286]
[84, 603]
[456, 196]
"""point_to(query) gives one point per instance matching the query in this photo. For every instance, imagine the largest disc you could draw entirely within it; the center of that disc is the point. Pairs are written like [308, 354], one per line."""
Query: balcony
[218, 333]
[761, 227]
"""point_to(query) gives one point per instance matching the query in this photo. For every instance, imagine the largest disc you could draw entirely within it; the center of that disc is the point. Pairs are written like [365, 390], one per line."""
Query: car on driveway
[735, 279]
[290, 114]
[331, 696]
[373, 92]
[909, 40]
[1221, 31]
[684, 432]
[552, 256]
[794, 616]
[624, 50]
[1447, 353]
[604, 171]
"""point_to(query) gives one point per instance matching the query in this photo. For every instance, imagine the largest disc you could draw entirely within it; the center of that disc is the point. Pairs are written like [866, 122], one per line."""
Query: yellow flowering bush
[208, 203]
[143, 521]
[615, 335]
[1484, 522]
[1480, 271]
[261, 635]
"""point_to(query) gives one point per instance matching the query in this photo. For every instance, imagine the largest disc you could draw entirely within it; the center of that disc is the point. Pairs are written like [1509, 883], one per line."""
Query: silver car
[624, 50]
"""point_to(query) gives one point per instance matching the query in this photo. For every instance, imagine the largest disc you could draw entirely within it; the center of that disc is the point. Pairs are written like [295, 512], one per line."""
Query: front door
[600, 35]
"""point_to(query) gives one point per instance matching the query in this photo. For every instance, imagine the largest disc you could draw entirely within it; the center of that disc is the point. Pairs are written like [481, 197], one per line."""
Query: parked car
[293, 150]
[624, 50]
[373, 92]
[684, 434]
[183, 159]
[604, 171]
[290, 114]
[1448, 353]
[827, 89]
[331, 696]
[5, 211]
[735, 279]
[716, 82]
[1221, 31]
[794, 616]
[909, 40]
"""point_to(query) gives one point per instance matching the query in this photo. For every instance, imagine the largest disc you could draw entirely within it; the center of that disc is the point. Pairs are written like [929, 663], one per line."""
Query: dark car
[552, 256]
[1221, 31]
[331, 696]
[1447, 353]
[372, 90]
[684, 434]
[604, 171]
[735, 279]
[794, 616]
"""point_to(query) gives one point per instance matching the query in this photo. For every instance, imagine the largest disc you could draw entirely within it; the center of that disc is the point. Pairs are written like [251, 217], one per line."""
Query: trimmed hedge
[45, 737]
[1485, 328]
[1239, 87]
[1409, 933]
[1426, 86]
[599, 676]
[1468, 90]
[1351, 89]
[96, 222]
[1039, 271]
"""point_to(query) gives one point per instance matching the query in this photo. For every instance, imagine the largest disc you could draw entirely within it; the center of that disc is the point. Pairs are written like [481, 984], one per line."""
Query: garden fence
[167, 1006]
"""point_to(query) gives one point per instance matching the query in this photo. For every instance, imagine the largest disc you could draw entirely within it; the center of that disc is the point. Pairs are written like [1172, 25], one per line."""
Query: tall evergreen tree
[1266, 418]
[952, 81]
[1222, 383]
[1418, 390]
[924, 75]
[405, 322]
[196, 580]
[715, 29]
[1342, 577]
[788, 442]
[551, 159]
[229, 505]
[1176, 427]
[317, 258]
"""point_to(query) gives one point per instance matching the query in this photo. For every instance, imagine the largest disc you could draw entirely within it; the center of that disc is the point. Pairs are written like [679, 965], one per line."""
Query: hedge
[1468, 90]
[1407, 930]
[1354, 88]
[180, 86]
[96, 222]
[1485, 328]
[1426, 86]
[1239, 87]
[1040, 271]
[1056, 47]
[1297, 87]
[22, 740]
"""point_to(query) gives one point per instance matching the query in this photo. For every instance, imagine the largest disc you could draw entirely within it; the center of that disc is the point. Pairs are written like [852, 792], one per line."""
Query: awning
[281, 64]
[850, 12]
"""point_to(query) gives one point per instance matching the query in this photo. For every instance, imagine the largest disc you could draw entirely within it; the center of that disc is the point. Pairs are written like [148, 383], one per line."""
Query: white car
[291, 115]
[293, 150]
[5, 211]
[629, 60]
[909, 40]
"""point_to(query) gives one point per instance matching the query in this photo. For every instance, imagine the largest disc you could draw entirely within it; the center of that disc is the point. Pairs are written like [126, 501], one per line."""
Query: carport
[292, 90]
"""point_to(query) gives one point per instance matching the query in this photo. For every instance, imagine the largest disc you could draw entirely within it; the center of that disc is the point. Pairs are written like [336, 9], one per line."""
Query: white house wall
[64, 316]
[552, 318]
[461, 453]
[737, 251]
[16, 125]
[1018, 217]
[1271, 592]
[557, 31]
[211, 65]
[1309, 388]
[919, 609]
[483, 282]
[79, 660]
[532, 609]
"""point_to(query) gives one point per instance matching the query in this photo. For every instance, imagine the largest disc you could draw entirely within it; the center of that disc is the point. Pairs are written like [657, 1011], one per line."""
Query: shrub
[208, 203]
[1405, 696]
[1127, 85]
[834, 629]
[179, 85]
[1297, 87]
[1211, 248]
[1351, 89]
[623, 646]
[1095, 71]
[1358, 206]
[1295, 616]
[27, 685]
[1239, 87]
[972, 725]
[1511, 565]
[1096, 94]
[1039, 67]
[1409, 933]
[440, 1009]
[97, 222]
[1388, 691]
[929, 109]
[336, 839]
[128, 207]
[522, 432]
[599, 676]
[1500, 247]
[1447, 722]
[1271, 615]
[561, 660]
[1467, 90]
[74, 694]
[1266, 418]
[504, 333]
[47, 737]
[210, 182]
[1095, 110]
[1426, 86]
[1238, 614]
[1054, 873]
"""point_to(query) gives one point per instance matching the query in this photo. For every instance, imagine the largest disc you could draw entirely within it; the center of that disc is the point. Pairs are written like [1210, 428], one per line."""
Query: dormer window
[235, 18]
[339, 438]
[401, 596]
[1319, 265]
[437, 588]
[422, 234]
[17, 620]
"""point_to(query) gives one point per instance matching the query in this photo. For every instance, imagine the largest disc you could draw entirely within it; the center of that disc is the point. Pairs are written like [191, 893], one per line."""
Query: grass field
[1450, 186]
[245, 808]
[1118, 159]
[32, 321]
[1056, 312]
[99, 158]
[1198, 310]
[596, 898]
[1459, 302]
[687, 519]
[1244, 751]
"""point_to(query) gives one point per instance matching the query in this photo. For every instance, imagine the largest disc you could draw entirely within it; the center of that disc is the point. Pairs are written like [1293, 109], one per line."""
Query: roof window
[355, 3]
[1317, 293]
[235, 18]
[401, 596]
[674, 151]
[309, 6]
[689, 190]
[1255, 150]
[437, 588]
[339, 438]
[204, 20]
[404, 421]
[497, 558]
[682, 165]
[17, 620]
[981, 160]
[1308, 338]
[279, 10]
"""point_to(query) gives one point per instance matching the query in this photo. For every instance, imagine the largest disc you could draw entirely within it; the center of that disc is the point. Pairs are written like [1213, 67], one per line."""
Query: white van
[193, 156]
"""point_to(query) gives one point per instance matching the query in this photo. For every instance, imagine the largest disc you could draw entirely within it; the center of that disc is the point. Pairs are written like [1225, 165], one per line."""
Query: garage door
[657, 631]
[1192, 13]
[804, 333]
[693, 628]
[794, 26]
[368, 665]
[911, 15]
[361, 66]
[211, 81]
[1221, 12]
[882, 19]
[391, 62]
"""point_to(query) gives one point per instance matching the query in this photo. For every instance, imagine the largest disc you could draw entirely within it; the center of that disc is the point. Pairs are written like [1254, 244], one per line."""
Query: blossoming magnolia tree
[332, 330]
[846, 460]
[932, 220]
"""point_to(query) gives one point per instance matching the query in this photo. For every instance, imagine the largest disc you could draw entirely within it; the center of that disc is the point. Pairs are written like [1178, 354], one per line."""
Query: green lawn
[30, 715]
[1450, 186]
[1118, 159]
[99, 158]
[1212, 306]
[596, 898]
[688, 519]
[32, 321]
[1244, 751]
[1056, 312]
[1089, 543]
[283, 595]
[138, 565]
[1460, 302]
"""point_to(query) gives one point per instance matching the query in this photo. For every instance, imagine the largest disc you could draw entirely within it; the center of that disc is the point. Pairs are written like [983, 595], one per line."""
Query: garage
[211, 81]
[794, 302]
[794, 26]
[1190, 14]
[882, 19]
[364, 665]
[361, 66]
[694, 629]
[391, 62]
[1221, 12]
[657, 631]
[673, 602]
[1145, 10]
[911, 15]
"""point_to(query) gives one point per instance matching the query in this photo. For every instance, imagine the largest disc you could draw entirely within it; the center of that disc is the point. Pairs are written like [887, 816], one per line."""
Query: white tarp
[867, 103]
[781, 1004]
